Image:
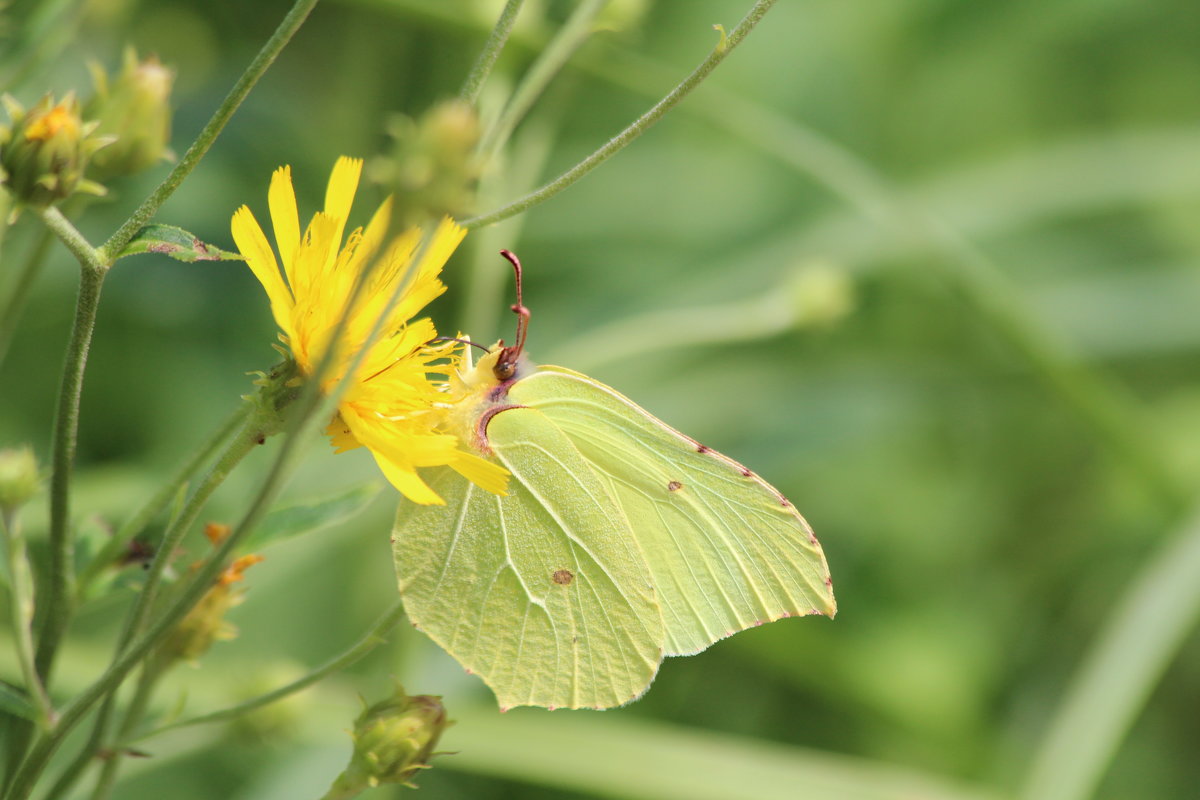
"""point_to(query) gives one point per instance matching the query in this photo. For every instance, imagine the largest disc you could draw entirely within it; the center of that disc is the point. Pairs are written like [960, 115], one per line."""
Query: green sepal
[176, 243]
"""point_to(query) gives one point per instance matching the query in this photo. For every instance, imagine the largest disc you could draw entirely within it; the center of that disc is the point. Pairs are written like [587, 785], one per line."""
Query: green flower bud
[18, 478]
[393, 739]
[433, 167]
[134, 107]
[44, 151]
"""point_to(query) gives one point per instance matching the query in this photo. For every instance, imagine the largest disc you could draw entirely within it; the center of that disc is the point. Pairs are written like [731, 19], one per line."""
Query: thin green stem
[266, 56]
[549, 62]
[58, 592]
[373, 638]
[491, 51]
[10, 314]
[248, 437]
[21, 616]
[639, 126]
[1118, 674]
[152, 671]
[119, 542]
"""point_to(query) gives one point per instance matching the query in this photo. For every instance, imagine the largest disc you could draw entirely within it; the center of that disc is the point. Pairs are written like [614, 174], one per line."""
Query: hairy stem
[58, 590]
[373, 638]
[636, 129]
[491, 51]
[266, 56]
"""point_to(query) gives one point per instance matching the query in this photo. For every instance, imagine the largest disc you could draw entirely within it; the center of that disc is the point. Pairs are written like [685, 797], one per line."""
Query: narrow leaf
[176, 243]
[283, 523]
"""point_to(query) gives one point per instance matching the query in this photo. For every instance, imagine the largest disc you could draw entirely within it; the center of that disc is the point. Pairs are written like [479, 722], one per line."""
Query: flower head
[393, 403]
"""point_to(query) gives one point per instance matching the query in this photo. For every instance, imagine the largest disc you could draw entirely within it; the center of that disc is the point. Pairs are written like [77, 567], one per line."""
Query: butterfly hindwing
[544, 593]
[725, 550]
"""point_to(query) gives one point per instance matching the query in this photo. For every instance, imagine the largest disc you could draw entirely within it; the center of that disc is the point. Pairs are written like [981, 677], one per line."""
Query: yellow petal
[407, 481]
[284, 217]
[339, 195]
[482, 473]
[254, 247]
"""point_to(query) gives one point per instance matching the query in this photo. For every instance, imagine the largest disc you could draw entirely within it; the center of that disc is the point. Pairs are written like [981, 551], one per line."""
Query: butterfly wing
[725, 550]
[543, 593]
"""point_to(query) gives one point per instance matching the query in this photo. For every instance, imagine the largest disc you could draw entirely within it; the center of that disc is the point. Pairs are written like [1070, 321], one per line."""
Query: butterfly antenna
[506, 365]
[456, 339]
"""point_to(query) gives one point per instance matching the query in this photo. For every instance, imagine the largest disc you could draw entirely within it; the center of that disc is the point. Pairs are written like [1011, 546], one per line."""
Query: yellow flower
[394, 403]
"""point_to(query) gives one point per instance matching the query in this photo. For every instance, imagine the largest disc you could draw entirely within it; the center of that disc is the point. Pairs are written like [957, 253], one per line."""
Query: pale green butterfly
[620, 541]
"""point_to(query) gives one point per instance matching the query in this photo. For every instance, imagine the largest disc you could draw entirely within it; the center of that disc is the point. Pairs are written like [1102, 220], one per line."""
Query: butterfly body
[621, 541]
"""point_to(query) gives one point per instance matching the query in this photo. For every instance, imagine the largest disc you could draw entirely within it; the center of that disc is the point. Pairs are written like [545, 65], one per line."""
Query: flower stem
[21, 609]
[556, 54]
[373, 638]
[151, 672]
[636, 129]
[266, 56]
[10, 314]
[491, 51]
[58, 594]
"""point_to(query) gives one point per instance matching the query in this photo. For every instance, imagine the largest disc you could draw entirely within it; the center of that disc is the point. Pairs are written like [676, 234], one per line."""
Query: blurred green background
[986, 405]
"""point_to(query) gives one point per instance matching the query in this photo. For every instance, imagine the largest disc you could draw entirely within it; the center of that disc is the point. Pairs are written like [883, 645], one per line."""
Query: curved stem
[1150, 623]
[266, 56]
[639, 126]
[151, 672]
[10, 314]
[58, 592]
[549, 62]
[373, 638]
[491, 51]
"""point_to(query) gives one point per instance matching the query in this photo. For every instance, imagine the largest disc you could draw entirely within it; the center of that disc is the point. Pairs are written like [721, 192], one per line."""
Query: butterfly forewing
[544, 592]
[725, 549]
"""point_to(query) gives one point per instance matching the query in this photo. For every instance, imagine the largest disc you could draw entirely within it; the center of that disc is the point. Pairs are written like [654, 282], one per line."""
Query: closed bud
[18, 478]
[133, 107]
[393, 740]
[432, 168]
[45, 150]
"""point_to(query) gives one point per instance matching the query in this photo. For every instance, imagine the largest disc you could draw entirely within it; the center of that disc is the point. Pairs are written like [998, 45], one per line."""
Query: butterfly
[621, 541]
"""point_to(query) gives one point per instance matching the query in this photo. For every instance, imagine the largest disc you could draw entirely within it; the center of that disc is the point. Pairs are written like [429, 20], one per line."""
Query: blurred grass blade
[1141, 638]
[13, 701]
[289, 521]
[618, 756]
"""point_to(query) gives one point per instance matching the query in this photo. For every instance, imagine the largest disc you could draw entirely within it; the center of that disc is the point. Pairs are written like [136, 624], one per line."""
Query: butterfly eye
[504, 370]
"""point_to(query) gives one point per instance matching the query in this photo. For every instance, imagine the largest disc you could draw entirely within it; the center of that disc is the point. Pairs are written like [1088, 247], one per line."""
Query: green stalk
[491, 51]
[1145, 631]
[58, 592]
[119, 541]
[152, 671]
[556, 54]
[373, 638]
[266, 56]
[636, 129]
[21, 610]
[10, 314]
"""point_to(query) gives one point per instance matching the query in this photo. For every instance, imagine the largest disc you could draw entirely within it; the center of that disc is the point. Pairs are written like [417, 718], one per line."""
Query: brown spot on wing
[562, 577]
[674, 486]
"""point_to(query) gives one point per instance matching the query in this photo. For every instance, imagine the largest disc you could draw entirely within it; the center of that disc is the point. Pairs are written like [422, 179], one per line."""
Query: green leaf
[283, 523]
[13, 701]
[176, 243]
